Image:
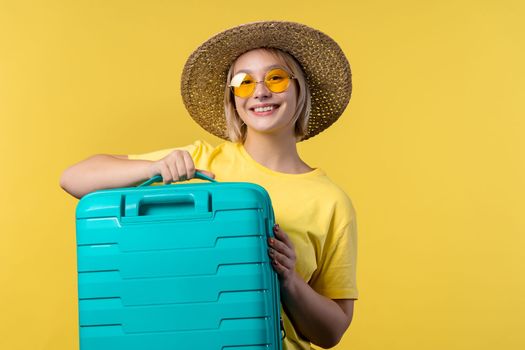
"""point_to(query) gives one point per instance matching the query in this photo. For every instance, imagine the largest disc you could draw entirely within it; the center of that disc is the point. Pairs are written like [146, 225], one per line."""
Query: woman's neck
[275, 152]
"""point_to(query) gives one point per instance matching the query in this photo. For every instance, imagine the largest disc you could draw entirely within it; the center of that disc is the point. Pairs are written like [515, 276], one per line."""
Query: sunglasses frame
[290, 76]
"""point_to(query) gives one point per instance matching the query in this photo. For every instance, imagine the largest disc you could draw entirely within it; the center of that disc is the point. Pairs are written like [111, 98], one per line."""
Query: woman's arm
[321, 320]
[103, 171]
[110, 171]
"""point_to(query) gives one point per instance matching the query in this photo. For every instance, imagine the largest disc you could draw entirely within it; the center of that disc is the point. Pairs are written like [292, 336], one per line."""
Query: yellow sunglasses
[276, 80]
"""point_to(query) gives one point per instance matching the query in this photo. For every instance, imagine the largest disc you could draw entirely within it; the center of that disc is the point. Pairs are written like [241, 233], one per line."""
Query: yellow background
[430, 149]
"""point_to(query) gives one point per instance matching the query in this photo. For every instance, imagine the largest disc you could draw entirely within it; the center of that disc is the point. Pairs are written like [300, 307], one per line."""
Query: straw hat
[325, 66]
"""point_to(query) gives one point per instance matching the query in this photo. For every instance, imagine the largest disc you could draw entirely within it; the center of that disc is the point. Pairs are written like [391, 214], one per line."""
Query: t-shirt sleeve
[194, 149]
[335, 276]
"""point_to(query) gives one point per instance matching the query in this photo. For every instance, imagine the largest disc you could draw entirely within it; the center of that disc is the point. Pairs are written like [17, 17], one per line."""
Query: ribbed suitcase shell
[182, 266]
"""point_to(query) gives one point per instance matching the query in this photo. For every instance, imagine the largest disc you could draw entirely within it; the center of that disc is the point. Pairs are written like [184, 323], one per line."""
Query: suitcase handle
[167, 203]
[158, 178]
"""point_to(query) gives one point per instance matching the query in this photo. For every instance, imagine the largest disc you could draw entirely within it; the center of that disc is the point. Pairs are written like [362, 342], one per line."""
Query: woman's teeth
[263, 109]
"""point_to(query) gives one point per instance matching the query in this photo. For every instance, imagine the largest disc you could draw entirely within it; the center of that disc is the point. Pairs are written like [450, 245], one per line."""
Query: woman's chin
[267, 129]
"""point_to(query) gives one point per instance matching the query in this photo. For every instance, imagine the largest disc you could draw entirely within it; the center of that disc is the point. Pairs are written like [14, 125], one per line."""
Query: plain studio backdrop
[430, 150]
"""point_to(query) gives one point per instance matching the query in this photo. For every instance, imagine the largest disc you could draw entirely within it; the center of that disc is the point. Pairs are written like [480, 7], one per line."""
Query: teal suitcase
[175, 267]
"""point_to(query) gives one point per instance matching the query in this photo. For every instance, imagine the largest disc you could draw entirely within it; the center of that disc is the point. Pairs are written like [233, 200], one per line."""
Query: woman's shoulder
[201, 149]
[331, 186]
[197, 147]
[333, 192]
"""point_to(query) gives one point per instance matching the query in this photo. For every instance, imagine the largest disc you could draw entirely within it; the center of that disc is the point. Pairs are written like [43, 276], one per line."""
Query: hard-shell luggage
[181, 266]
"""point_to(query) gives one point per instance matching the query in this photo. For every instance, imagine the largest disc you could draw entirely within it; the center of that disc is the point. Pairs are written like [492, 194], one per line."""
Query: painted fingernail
[270, 240]
[270, 251]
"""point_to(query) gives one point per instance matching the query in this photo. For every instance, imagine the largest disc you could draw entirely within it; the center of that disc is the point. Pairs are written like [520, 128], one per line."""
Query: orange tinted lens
[277, 80]
[243, 84]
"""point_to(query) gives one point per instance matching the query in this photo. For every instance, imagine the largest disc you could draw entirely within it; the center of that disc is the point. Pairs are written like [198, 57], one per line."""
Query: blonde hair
[236, 128]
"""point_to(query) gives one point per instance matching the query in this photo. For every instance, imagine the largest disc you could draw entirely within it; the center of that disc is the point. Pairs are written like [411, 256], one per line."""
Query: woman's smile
[264, 109]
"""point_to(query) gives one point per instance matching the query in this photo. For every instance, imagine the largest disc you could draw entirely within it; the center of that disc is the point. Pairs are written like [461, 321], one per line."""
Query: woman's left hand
[282, 254]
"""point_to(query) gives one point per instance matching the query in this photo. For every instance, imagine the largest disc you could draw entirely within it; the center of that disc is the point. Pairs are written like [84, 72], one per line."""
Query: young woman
[263, 87]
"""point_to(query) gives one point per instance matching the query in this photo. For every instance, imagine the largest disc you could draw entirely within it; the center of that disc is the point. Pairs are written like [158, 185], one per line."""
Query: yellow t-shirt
[316, 214]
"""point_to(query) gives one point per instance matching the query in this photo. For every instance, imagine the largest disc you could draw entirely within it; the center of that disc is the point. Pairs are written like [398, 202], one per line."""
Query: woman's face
[282, 106]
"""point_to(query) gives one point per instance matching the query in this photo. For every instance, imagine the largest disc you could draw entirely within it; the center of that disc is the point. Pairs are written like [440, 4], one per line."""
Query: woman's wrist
[142, 167]
[290, 285]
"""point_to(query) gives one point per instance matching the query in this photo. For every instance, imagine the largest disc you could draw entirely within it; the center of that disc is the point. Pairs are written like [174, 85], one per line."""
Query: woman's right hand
[176, 166]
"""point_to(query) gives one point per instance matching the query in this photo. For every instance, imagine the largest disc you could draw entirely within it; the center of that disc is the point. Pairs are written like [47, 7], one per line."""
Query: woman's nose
[261, 90]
